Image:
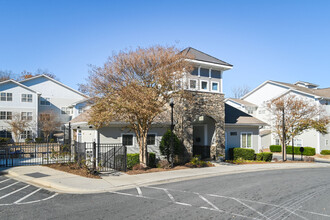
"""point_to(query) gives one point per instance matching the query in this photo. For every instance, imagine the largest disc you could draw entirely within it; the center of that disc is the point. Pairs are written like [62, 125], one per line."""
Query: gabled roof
[59, 83]
[19, 84]
[201, 56]
[242, 102]
[317, 93]
[238, 117]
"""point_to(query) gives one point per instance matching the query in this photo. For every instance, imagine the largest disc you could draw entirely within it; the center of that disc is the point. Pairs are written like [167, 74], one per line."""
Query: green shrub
[245, 154]
[165, 145]
[308, 151]
[4, 140]
[152, 160]
[197, 162]
[39, 140]
[259, 157]
[28, 140]
[325, 152]
[132, 159]
[267, 156]
[275, 148]
[52, 140]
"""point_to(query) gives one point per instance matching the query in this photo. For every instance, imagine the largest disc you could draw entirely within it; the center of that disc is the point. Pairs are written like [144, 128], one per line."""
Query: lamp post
[172, 128]
[283, 136]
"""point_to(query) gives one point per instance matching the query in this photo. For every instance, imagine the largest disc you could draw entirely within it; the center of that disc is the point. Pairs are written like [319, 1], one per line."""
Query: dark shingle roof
[235, 116]
[201, 56]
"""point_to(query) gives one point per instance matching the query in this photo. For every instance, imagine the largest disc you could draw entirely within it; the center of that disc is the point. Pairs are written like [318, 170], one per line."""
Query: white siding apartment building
[255, 101]
[34, 96]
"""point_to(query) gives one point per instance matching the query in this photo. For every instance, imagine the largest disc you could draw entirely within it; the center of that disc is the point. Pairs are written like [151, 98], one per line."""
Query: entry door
[199, 135]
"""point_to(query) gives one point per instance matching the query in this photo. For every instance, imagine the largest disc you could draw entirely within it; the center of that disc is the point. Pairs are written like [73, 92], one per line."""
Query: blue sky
[279, 40]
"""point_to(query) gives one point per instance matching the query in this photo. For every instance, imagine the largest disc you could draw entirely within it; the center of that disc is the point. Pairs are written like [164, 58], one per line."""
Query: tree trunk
[143, 150]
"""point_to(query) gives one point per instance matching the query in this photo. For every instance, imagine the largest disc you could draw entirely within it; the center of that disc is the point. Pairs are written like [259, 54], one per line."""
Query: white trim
[246, 132]
[19, 84]
[207, 88]
[221, 89]
[217, 86]
[196, 84]
[210, 69]
[199, 71]
[133, 139]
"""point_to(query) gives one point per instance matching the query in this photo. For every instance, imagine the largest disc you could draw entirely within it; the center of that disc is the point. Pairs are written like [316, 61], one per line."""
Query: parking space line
[28, 195]
[169, 195]
[4, 180]
[139, 191]
[208, 202]
[9, 186]
[14, 191]
[39, 200]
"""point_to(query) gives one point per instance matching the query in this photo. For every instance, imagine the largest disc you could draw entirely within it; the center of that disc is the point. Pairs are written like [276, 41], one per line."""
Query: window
[192, 84]
[5, 134]
[277, 141]
[80, 110]
[215, 74]
[26, 98]
[233, 133]
[215, 86]
[127, 139]
[195, 72]
[6, 115]
[246, 140]
[151, 139]
[297, 142]
[326, 142]
[5, 96]
[66, 111]
[44, 101]
[26, 116]
[44, 117]
[26, 134]
[204, 85]
[204, 72]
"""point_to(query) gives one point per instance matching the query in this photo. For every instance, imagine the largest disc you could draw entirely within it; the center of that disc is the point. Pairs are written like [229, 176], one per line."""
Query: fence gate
[102, 157]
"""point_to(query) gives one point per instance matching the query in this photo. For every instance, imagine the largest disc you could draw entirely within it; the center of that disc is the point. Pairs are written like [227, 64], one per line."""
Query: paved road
[275, 195]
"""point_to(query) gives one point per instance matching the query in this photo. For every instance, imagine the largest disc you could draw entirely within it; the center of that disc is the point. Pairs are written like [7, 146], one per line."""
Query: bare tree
[17, 125]
[134, 86]
[299, 115]
[240, 91]
[48, 123]
[26, 75]
[6, 75]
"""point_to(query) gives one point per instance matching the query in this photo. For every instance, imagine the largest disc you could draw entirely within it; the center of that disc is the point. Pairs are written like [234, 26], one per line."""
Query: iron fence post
[94, 155]
[125, 153]
[114, 157]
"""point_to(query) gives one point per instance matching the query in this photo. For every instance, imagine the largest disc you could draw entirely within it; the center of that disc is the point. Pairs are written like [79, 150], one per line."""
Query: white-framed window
[127, 139]
[26, 134]
[204, 85]
[5, 134]
[80, 109]
[298, 142]
[26, 116]
[193, 84]
[6, 96]
[262, 111]
[246, 139]
[277, 142]
[44, 101]
[44, 117]
[326, 142]
[26, 98]
[6, 115]
[215, 86]
[151, 139]
[66, 111]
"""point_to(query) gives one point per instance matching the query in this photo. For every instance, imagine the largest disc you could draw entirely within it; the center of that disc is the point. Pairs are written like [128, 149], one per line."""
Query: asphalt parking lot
[13, 192]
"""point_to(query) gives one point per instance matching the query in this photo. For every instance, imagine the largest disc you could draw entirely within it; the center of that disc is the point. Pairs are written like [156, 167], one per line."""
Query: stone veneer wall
[187, 110]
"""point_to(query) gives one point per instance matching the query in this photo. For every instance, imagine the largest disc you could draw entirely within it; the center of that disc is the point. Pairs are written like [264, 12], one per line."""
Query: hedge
[245, 154]
[265, 156]
[308, 151]
[133, 159]
[325, 152]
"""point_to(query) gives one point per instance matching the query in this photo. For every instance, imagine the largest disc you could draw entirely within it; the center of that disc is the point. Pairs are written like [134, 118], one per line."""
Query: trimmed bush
[265, 156]
[39, 140]
[5, 140]
[308, 151]
[165, 145]
[152, 160]
[275, 148]
[325, 152]
[245, 154]
[132, 159]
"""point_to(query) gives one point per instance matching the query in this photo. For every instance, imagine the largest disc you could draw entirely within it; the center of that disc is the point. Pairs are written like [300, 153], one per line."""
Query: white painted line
[4, 180]
[4, 196]
[139, 191]
[208, 202]
[182, 203]
[39, 200]
[9, 186]
[169, 195]
[251, 208]
[28, 195]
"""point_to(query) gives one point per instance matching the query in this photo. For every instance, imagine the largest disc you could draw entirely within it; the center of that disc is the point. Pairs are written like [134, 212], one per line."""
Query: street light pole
[172, 128]
[283, 136]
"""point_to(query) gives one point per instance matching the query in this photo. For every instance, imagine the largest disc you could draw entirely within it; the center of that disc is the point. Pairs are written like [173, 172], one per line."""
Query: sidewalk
[69, 183]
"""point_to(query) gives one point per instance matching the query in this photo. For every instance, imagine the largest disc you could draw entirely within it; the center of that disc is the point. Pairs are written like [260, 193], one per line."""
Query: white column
[221, 90]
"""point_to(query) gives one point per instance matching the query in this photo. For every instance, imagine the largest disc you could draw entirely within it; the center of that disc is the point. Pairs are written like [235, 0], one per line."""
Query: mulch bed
[74, 169]
[152, 170]
[262, 162]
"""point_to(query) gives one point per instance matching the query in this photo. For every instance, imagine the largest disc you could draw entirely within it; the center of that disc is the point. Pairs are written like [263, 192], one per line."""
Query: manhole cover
[36, 175]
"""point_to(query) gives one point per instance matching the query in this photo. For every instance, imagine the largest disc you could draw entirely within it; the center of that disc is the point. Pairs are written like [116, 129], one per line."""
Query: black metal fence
[97, 156]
